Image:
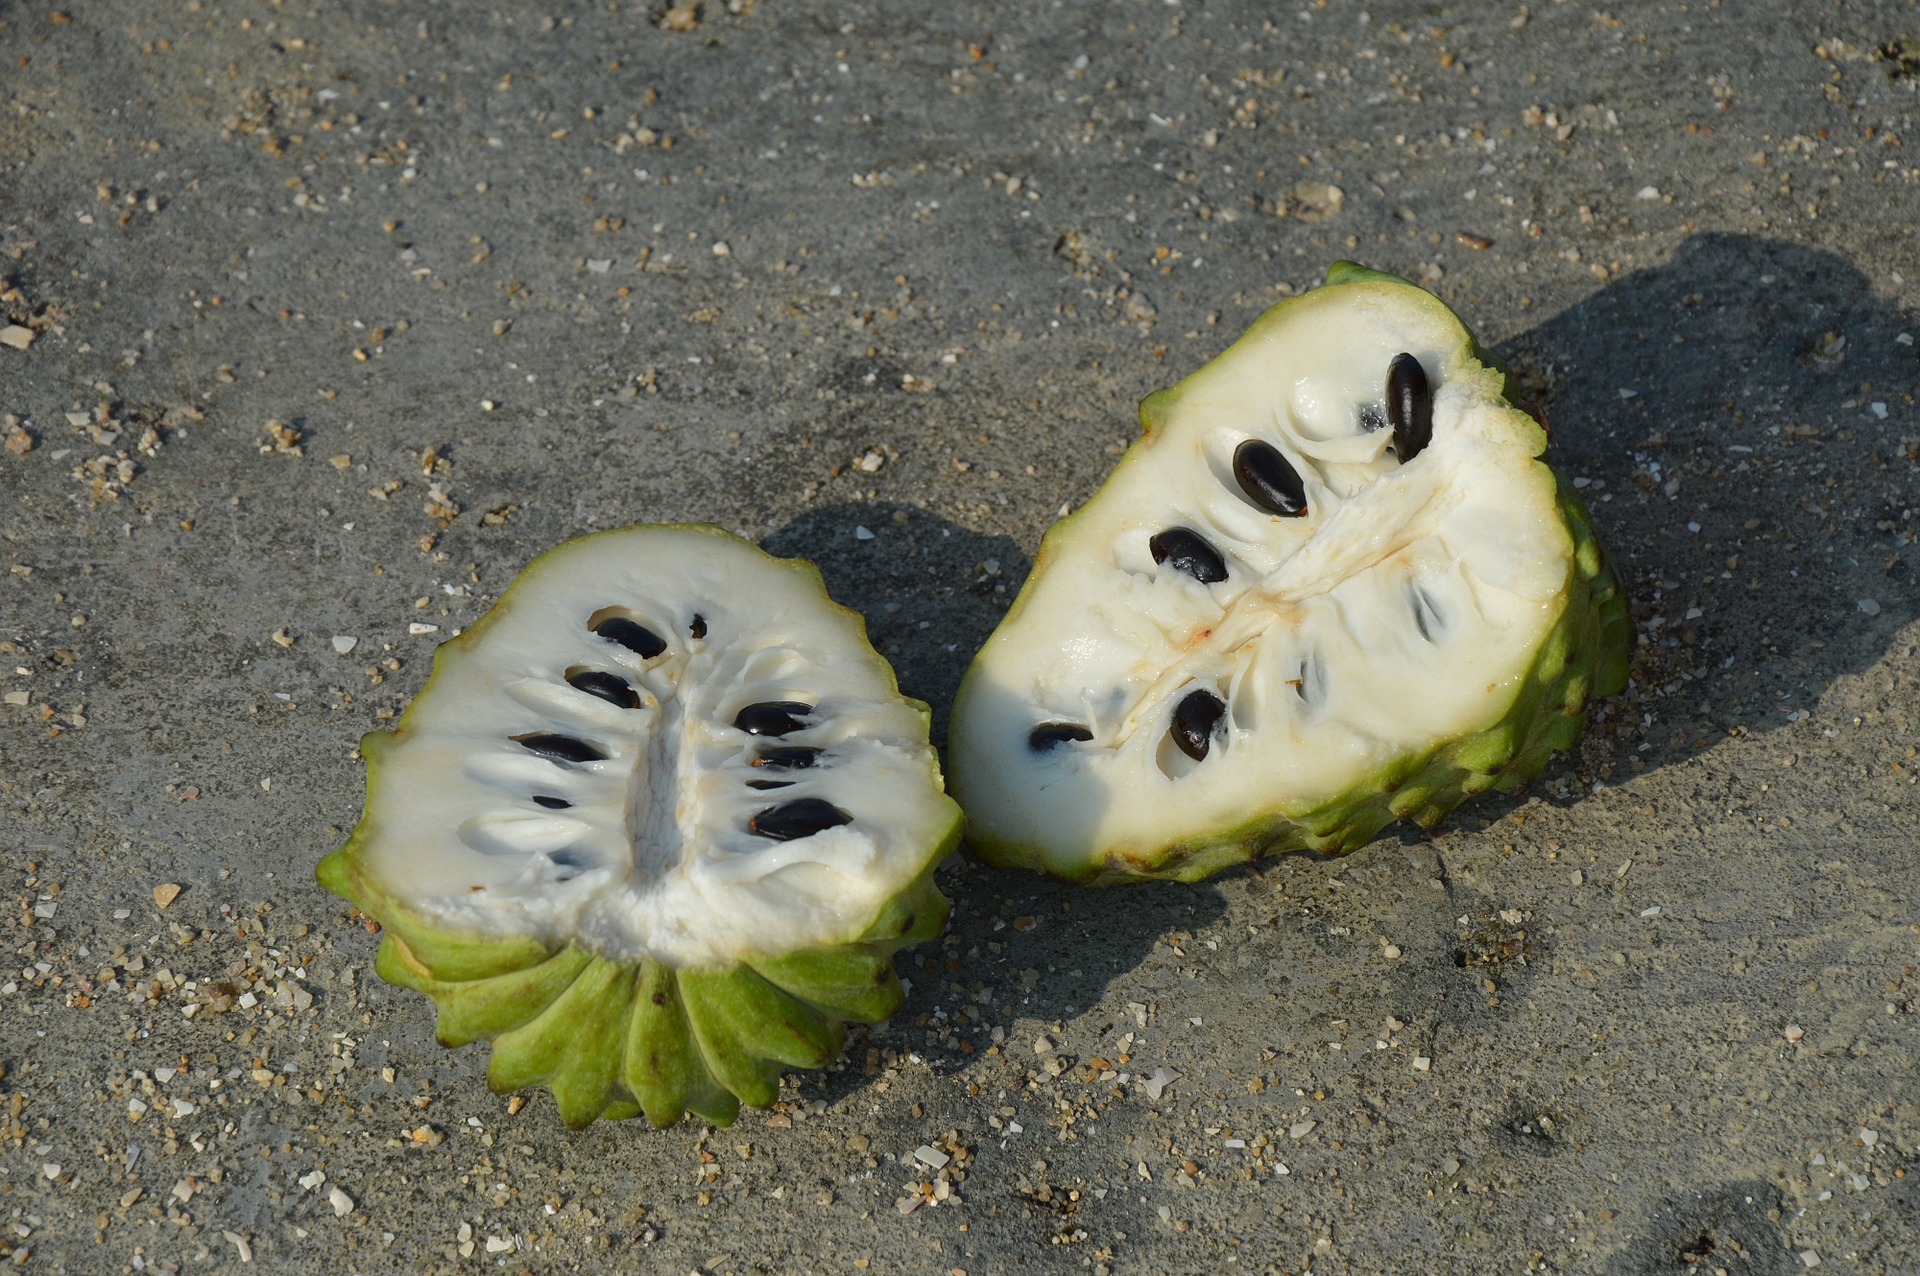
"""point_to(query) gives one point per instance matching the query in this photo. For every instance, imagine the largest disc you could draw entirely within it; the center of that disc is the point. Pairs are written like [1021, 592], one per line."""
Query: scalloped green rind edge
[1585, 654]
[615, 1039]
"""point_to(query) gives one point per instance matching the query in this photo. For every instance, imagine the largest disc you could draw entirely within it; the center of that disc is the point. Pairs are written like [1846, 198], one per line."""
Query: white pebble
[341, 1202]
[1156, 1085]
[862, 534]
[416, 629]
[343, 643]
[1869, 606]
[1422, 1063]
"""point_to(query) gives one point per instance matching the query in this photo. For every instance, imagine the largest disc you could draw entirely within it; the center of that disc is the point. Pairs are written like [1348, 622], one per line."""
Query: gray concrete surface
[1656, 1017]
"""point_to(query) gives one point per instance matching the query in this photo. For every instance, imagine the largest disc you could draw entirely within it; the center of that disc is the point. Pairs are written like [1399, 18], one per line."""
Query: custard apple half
[1333, 583]
[656, 826]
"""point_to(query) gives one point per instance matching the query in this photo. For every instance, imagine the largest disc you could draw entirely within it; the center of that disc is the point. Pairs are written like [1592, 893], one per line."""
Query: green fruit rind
[614, 1039]
[1585, 654]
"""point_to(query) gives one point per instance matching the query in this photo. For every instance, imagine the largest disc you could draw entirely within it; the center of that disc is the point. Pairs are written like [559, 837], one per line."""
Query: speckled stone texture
[320, 321]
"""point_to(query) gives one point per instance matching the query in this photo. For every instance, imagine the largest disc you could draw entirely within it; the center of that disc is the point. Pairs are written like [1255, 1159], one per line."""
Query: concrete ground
[322, 320]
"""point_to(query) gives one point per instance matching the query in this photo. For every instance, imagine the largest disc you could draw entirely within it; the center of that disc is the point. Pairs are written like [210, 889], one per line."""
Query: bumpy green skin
[622, 1039]
[1584, 655]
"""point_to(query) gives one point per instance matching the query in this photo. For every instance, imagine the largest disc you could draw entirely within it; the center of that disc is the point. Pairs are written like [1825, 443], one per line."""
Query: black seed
[769, 784]
[772, 717]
[1194, 719]
[800, 818]
[1426, 613]
[699, 627]
[610, 687]
[1049, 734]
[1311, 685]
[551, 803]
[638, 639]
[561, 748]
[792, 757]
[1268, 479]
[1188, 552]
[1409, 407]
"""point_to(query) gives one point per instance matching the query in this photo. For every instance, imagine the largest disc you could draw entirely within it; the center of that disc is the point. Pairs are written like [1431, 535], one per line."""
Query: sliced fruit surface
[1334, 582]
[656, 825]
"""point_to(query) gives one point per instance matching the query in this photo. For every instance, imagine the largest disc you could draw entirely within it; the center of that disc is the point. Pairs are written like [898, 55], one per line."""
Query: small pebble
[341, 1202]
[344, 643]
[1156, 1084]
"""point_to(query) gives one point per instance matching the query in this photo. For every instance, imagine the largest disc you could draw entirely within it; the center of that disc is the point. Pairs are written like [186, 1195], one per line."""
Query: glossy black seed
[800, 818]
[1194, 719]
[1427, 615]
[699, 627]
[1190, 553]
[769, 784]
[561, 748]
[1409, 407]
[772, 717]
[1269, 479]
[636, 638]
[1050, 734]
[1311, 685]
[551, 803]
[610, 687]
[792, 757]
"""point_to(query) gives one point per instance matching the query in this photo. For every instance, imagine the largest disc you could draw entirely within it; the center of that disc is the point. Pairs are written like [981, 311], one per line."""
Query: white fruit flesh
[654, 856]
[1400, 612]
